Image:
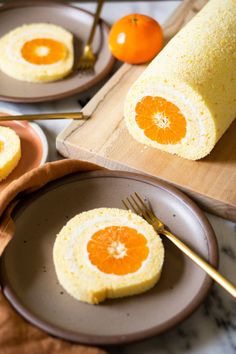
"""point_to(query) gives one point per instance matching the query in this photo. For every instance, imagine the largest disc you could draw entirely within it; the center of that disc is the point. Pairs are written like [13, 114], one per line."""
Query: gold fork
[139, 207]
[88, 58]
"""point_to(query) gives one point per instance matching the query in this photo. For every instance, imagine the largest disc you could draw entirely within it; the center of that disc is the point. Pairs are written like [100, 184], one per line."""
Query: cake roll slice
[185, 99]
[107, 253]
[10, 151]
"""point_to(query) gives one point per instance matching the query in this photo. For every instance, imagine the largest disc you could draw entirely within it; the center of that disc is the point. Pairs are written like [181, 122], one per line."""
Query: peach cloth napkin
[17, 335]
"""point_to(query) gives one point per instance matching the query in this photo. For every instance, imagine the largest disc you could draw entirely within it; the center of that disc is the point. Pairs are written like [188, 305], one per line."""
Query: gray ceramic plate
[29, 279]
[73, 19]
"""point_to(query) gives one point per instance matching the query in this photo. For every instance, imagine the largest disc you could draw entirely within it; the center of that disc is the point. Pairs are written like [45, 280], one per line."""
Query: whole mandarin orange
[135, 39]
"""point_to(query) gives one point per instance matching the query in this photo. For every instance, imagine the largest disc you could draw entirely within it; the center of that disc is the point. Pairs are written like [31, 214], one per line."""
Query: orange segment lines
[160, 120]
[118, 250]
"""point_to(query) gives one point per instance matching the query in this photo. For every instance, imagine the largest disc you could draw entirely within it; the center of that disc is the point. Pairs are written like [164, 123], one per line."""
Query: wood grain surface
[104, 139]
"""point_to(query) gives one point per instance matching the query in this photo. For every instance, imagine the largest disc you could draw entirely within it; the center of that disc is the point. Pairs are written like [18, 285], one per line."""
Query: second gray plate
[29, 279]
[75, 20]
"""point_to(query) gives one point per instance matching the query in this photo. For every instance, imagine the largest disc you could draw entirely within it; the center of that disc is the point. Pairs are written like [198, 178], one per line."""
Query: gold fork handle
[211, 271]
[44, 116]
[95, 21]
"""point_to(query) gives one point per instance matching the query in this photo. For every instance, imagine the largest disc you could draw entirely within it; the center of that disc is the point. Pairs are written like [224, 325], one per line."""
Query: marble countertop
[212, 328]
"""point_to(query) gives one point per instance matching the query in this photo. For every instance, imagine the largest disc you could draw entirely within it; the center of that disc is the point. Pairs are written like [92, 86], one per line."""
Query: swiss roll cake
[10, 151]
[37, 52]
[107, 253]
[185, 99]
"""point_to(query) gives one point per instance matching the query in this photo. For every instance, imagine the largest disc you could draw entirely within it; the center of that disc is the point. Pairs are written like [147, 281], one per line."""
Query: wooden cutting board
[104, 139]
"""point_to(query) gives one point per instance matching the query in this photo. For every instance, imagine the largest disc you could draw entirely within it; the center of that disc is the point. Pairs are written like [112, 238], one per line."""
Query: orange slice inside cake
[118, 250]
[43, 51]
[107, 253]
[160, 120]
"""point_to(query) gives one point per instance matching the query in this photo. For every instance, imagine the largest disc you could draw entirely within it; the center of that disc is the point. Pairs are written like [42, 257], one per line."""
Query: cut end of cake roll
[172, 120]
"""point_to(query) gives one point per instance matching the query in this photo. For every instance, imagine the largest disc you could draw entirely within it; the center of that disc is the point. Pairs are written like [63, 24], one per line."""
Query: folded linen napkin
[17, 335]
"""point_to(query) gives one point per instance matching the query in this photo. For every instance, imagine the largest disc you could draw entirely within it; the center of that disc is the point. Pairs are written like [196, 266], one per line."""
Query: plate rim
[19, 4]
[92, 339]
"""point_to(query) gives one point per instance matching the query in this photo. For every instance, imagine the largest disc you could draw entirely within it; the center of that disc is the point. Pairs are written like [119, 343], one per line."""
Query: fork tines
[134, 202]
